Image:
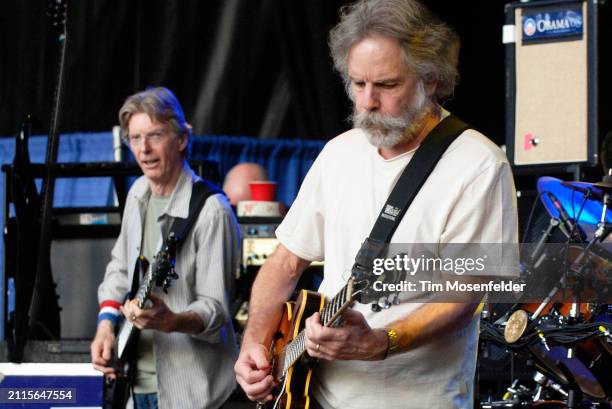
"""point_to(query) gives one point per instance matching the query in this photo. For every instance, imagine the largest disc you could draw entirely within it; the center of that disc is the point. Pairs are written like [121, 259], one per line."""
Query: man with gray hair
[186, 347]
[399, 63]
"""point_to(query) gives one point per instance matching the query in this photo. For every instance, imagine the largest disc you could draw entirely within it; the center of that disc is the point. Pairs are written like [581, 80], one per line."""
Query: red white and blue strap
[109, 310]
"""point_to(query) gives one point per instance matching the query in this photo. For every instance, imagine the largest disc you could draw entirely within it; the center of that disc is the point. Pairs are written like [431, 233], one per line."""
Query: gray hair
[430, 47]
[162, 106]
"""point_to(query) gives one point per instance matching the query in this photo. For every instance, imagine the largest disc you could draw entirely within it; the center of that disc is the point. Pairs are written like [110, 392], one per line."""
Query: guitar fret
[329, 311]
[336, 306]
[294, 349]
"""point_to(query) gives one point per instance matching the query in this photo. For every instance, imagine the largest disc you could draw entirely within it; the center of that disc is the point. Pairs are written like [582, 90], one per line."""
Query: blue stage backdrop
[287, 162]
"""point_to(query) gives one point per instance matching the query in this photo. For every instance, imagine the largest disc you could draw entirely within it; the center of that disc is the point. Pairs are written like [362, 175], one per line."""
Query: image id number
[37, 395]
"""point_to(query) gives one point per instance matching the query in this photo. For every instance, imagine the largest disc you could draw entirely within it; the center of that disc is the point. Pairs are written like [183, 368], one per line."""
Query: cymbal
[605, 184]
[515, 327]
[591, 189]
[571, 195]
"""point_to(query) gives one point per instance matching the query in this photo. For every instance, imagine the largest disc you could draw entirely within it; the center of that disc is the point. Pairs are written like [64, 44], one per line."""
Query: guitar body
[117, 392]
[294, 395]
[291, 364]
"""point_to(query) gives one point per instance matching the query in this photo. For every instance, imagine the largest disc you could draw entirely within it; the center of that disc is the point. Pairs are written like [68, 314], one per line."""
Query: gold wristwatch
[393, 338]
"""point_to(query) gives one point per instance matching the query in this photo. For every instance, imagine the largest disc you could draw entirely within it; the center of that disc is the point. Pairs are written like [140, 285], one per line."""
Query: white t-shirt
[468, 198]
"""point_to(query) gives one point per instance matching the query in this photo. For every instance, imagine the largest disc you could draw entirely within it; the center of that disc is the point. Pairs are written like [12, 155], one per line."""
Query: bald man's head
[236, 184]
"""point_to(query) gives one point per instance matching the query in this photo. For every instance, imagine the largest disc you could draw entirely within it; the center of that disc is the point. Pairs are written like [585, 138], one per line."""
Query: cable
[569, 335]
[566, 263]
[530, 219]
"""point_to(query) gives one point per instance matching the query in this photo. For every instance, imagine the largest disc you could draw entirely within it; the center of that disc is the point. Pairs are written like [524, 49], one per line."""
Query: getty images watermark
[428, 266]
[507, 273]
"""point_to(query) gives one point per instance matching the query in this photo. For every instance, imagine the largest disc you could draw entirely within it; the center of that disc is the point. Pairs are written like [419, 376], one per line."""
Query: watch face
[393, 339]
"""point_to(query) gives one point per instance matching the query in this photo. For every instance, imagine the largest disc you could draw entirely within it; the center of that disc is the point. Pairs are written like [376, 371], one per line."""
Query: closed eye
[358, 84]
[386, 84]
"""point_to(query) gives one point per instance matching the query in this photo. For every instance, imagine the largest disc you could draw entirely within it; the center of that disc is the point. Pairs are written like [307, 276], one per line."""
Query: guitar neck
[147, 286]
[159, 272]
[329, 318]
[336, 306]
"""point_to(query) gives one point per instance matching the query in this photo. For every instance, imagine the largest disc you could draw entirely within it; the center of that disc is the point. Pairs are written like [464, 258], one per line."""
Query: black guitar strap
[201, 191]
[410, 182]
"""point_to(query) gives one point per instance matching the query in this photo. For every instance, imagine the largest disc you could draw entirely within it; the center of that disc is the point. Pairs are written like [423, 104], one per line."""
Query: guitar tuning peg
[394, 299]
[383, 302]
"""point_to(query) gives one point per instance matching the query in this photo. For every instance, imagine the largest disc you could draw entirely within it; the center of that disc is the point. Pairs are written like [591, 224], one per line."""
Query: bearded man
[398, 62]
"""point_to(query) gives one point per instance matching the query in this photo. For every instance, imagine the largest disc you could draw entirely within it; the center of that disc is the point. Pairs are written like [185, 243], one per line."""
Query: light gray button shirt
[193, 371]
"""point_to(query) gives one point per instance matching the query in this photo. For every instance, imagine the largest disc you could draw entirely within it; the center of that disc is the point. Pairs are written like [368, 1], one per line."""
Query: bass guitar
[159, 273]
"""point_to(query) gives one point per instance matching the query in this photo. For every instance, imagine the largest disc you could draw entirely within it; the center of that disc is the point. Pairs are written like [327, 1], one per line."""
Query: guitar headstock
[57, 10]
[378, 290]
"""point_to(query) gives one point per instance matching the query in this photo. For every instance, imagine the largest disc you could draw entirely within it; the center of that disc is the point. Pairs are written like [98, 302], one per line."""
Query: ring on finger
[133, 317]
[318, 347]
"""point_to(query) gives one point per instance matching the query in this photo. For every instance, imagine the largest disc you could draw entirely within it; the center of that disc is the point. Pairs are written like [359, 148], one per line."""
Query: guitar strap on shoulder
[407, 187]
[200, 192]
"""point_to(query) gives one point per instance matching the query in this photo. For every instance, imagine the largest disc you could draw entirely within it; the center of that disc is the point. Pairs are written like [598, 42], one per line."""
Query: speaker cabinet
[78, 267]
[557, 81]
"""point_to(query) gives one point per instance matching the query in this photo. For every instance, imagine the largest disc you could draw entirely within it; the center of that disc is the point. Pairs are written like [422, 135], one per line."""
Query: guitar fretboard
[147, 285]
[329, 317]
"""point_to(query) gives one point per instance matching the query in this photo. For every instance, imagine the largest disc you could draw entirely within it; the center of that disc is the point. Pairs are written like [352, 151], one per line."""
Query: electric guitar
[291, 365]
[159, 273]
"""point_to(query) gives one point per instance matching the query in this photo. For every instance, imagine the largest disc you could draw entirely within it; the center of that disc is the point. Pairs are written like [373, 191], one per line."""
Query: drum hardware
[583, 271]
[519, 396]
[581, 201]
[584, 267]
[545, 383]
[538, 256]
[571, 229]
[514, 391]
[574, 392]
[567, 334]
[590, 376]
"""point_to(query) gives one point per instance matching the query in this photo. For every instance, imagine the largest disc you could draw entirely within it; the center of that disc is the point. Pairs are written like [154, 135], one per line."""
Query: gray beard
[385, 131]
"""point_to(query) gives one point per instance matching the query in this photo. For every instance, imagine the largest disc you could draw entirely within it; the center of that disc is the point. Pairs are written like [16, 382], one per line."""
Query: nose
[370, 100]
[144, 145]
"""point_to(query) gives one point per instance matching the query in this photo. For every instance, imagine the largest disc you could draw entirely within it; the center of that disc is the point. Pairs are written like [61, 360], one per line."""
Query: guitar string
[295, 348]
[280, 394]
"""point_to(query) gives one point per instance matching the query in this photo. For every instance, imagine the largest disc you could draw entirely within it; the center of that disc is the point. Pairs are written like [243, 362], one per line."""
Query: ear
[182, 142]
[431, 87]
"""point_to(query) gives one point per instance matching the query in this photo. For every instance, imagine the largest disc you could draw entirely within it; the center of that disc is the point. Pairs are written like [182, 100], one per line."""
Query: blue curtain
[287, 162]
